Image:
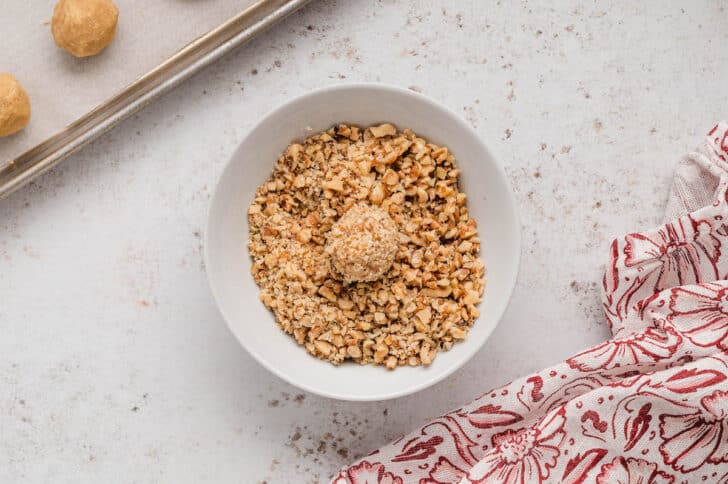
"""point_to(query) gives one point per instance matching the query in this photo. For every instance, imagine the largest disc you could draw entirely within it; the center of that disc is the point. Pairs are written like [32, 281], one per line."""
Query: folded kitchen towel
[648, 406]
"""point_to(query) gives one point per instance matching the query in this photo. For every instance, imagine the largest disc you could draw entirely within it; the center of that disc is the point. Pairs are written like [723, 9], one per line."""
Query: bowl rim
[503, 178]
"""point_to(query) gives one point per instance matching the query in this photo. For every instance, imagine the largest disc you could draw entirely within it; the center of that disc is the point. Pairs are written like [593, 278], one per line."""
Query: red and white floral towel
[648, 406]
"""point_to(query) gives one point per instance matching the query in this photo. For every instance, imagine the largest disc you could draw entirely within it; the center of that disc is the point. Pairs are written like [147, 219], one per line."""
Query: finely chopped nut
[364, 249]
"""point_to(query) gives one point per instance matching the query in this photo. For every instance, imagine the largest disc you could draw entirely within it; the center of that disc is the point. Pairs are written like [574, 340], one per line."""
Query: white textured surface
[114, 362]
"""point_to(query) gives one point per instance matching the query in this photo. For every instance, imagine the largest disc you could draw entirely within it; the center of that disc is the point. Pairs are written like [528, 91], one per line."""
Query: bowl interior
[228, 265]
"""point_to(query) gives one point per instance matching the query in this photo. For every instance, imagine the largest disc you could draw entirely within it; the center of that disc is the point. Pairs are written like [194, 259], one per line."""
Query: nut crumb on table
[364, 249]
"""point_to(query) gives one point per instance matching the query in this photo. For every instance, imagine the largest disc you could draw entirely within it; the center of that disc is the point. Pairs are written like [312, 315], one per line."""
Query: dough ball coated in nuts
[14, 105]
[362, 244]
[84, 27]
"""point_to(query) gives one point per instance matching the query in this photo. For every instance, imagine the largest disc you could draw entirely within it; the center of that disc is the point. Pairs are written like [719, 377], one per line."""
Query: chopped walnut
[392, 283]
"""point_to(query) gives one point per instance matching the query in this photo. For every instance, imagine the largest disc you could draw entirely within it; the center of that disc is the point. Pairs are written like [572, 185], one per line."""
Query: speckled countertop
[114, 363]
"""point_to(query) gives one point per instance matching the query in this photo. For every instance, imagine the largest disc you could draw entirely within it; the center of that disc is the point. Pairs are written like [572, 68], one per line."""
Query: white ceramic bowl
[490, 202]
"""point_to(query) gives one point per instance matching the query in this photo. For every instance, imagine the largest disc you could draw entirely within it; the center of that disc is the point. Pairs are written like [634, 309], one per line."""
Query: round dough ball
[14, 105]
[84, 27]
[362, 244]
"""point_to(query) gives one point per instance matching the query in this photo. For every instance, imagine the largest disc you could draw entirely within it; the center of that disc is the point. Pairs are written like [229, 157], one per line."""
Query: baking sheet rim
[180, 66]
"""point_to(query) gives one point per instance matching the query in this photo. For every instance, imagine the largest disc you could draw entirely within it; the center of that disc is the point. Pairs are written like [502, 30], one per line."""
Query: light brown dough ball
[84, 27]
[14, 105]
[362, 244]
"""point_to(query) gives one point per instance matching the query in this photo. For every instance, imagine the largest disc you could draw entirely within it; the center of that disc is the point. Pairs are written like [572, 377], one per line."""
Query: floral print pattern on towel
[648, 406]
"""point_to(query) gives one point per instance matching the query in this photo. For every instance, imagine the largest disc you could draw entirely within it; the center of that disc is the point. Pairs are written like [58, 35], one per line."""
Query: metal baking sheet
[157, 45]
